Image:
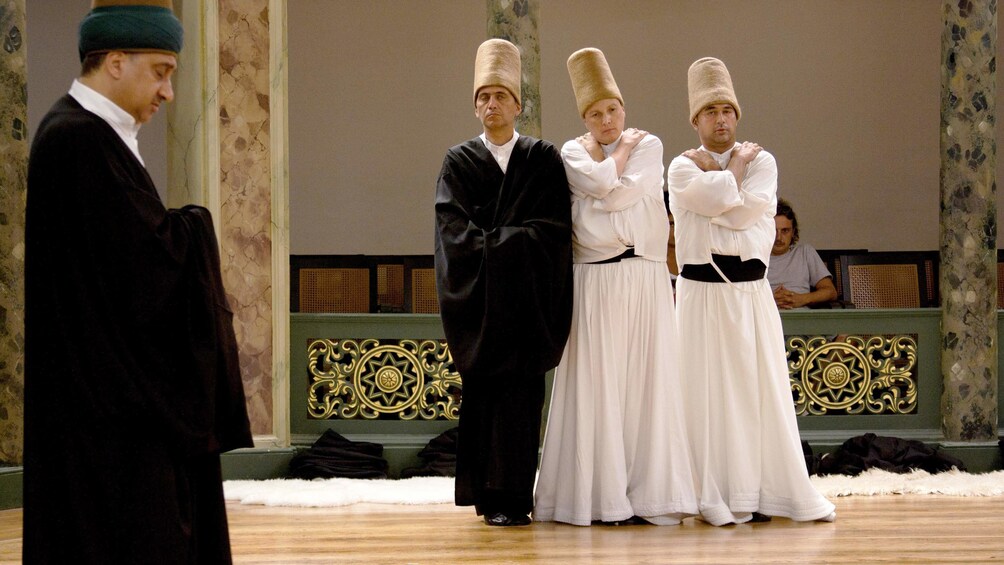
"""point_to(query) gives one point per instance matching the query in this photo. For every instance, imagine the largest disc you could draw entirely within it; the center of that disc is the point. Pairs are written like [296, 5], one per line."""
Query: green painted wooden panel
[923, 323]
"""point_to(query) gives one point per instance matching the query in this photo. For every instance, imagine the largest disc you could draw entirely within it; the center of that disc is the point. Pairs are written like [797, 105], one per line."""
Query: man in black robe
[503, 274]
[132, 384]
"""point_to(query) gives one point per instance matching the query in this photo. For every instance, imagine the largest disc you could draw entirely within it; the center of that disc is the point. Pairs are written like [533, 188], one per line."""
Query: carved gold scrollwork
[408, 380]
[853, 374]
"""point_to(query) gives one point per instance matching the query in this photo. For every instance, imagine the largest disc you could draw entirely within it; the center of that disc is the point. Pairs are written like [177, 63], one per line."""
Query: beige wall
[845, 94]
[378, 91]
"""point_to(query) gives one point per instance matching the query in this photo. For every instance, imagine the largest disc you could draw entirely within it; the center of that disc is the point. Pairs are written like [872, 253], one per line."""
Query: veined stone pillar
[968, 221]
[227, 151]
[516, 21]
[13, 189]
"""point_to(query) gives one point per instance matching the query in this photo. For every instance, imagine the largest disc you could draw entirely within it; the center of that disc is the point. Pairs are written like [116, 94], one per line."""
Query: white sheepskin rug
[876, 481]
[439, 490]
[340, 492]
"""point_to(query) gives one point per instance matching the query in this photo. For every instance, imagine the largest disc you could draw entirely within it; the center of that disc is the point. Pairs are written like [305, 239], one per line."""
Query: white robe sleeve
[758, 194]
[599, 181]
[714, 194]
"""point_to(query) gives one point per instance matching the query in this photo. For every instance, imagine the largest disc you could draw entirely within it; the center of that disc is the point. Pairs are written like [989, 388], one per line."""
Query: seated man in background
[797, 275]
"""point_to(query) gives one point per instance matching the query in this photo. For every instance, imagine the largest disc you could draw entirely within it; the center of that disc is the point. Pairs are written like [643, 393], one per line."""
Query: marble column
[227, 152]
[968, 221]
[13, 185]
[193, 128]
[517, 21]
[245, 194]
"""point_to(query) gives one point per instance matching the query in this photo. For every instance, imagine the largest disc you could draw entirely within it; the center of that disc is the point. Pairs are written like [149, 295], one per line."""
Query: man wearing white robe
[615, 446]
[741, 419]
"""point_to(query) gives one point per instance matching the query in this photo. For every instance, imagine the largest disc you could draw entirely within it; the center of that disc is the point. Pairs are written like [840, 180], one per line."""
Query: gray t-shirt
[798, 270]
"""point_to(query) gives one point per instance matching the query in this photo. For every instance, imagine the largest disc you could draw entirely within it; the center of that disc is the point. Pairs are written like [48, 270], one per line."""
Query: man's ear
[519, 108]
[114, 61]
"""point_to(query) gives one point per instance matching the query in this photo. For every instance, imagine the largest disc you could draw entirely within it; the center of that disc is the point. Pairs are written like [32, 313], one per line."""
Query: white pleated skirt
[615, 445]
[741, 419]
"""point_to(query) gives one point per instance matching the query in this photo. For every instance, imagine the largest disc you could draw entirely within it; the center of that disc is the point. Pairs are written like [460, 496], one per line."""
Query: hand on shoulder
[592, 147]
[702, 159]
[746, 151]
[633, 136]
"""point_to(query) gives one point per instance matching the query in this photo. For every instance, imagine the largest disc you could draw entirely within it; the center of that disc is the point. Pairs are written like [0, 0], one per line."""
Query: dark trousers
[498, 442]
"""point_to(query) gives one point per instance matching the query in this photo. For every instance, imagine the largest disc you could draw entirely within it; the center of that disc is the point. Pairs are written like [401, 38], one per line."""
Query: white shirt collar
[121, 121]
[501, 152]
[608, 149]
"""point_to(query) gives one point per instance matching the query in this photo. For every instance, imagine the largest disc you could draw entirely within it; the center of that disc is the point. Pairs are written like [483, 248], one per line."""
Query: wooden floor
[876, 529]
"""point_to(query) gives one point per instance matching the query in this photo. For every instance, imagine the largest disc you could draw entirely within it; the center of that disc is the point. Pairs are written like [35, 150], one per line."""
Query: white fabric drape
[740, 417]
[741, 421]
[615, 445]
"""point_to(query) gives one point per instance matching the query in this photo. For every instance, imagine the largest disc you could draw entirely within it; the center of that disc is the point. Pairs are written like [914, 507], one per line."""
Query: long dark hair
[784, 209]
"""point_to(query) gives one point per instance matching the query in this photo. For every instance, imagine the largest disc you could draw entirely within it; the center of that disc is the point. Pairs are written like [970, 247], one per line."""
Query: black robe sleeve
[503, 258]
[127, 325]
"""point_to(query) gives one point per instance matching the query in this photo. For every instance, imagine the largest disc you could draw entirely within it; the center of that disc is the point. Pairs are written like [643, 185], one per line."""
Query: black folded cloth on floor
[334, 456]
[811, 461]
[892, 454]
[439, 457]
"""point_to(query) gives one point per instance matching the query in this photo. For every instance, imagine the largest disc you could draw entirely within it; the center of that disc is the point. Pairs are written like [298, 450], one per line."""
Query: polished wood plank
[869, 529]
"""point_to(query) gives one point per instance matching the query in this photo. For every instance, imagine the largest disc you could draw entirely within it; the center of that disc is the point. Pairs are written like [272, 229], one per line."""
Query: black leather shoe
[632, 521]
[759, 518]
[502, 519]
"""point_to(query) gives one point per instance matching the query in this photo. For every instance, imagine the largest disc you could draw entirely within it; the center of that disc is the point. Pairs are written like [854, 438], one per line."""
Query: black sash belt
[626, 255]
[734, 268]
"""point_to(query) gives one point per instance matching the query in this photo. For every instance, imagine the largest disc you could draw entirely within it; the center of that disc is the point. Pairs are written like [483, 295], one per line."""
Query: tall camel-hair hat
[591, 78]
[497, 64]
[709, 82]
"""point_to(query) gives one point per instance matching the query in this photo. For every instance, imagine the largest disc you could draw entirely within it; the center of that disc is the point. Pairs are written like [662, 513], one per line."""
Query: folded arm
[734, 198]
[619, 181]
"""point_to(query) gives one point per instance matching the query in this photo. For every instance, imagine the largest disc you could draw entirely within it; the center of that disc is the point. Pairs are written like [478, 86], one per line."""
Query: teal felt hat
[130, 25]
